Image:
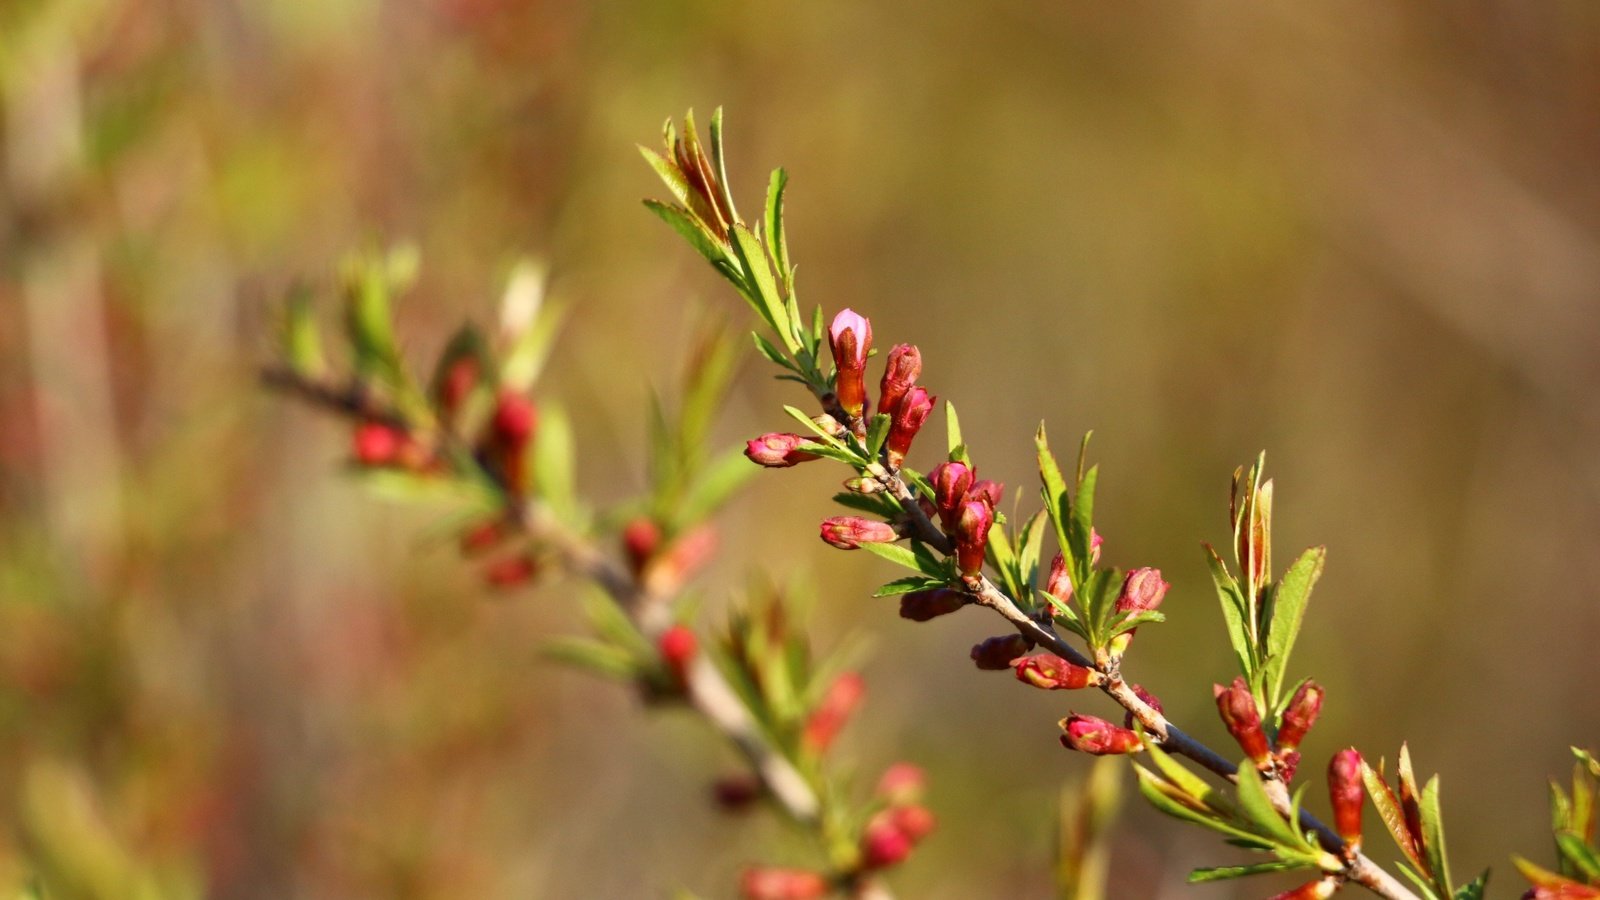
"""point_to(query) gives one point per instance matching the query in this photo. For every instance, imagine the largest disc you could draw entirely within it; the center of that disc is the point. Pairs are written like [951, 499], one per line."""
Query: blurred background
[1363, 236]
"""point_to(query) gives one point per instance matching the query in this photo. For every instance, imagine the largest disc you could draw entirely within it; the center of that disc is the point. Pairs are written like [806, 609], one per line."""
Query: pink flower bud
[996, 653]
[908, 418]
[641, 538]
[1321, 889]
[777, 450]
[735, 793]
[914, 820]
[1142, 591]
[482, 537]
[972, 536]
[988, 491]
[511, 572]
[677, 647]
[1095, 540]
[683, 557]
[1059, 583]
[884, 845]
[850, 337]
[1562, 890]
[1052, 673]
[899, 374]
[783, 884]
[920, 606]
[850, 532]
[1149, 699]
[376, 444]
[833, 711]
[1095, 736]
[902, 783]
[1299, 715]
[950, 481]
[1346, 793]
[1239, 713]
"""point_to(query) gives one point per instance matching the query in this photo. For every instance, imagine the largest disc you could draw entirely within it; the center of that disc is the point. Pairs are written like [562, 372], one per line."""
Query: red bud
[1096, 736]
[783, 884]
[683, 557]
[377, 444]
[510, 572]
[833, 711]
[892, 833]
[850, 337]
[677, 647]
[1142, 590]
[458, 381]
[641, 538]
[972, 535]
[1564, 890]
[1321, 889]
[1239, 713]
[915, 820]
[996, 653]
[777, 450]
[920, 606]
[1299, 715]
[482, 537]
[1346, 792]
[901, 783]
[1059, 583]
[990, 492]
[1052, 673]
[899, 374]
[908, 418]
[850, 532]
[950, 481]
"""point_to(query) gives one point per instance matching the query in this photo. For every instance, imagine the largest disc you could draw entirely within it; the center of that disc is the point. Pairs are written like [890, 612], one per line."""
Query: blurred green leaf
[300, 340]
[1234, 611]
[1582, 857]
[604, 659]
[1223, 873]
[554, 463]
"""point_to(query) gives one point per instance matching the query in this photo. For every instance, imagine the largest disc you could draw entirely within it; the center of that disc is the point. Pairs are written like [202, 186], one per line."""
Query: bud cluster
[1237, 706]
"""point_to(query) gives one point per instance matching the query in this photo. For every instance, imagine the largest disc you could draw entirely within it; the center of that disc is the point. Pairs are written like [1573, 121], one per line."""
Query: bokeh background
[1364, 236]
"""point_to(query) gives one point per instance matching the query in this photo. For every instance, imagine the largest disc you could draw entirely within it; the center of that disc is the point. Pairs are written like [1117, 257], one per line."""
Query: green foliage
[1415, 822]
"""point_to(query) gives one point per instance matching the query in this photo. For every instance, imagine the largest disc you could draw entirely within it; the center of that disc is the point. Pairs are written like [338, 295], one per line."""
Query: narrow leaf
[1288, 608]
[907, 585]
[1223, 873]
[903, 557]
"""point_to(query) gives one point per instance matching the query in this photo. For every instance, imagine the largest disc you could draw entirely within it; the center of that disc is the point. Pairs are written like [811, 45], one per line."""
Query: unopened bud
[864, 485]
[914, 820]
[376, 444]
[883, 844]
[1052, 673]
[972, 536]
[1095, 540]
[683, 557]
[920, 606]
[1299, 715]
[1059, 583]
[482, 537]
[850, 532]
[515, 418]
[901, 783]
[641, 538]
[899, 374]
[1321, 889]
[908, 418]
[1562, 890]
[735, 793]
[1238, 710]
[511, 572]
[777, 450]
[850, 337]
[677, 647]
[1096, 736]
[783, 884]
[950, 481]
[1142, 591]
[829, 425]
[833, 711]
[990, 492]
[1149, 699]
[1346, 793]
[996, 653]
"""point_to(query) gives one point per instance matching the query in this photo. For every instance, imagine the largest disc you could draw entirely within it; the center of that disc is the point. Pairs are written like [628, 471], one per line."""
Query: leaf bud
[1096, 736]
[920, 606]
[972, 536]
[850, 338]
[777, 450]
[908, 418]
[996, 653]
[1052, 673]
[1299, 715]
[1346, 793]
[850, 532]
[864, 485]
[1239, 713]
[899, 374]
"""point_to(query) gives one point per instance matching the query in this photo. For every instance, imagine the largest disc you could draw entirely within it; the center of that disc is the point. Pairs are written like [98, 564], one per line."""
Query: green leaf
[301, 343]
[604, 659]
[719, 164]
[669, 174]
[907, 585]
[1005, 561]
[882, 505]
[468, 497]
[612, 624]
[902, 556]
[952, 427]
[1082, 528]
[1258, 809]
[1389, 812]
[1233, 612]
[1581, 855]
[1286, 610]
[833, 452]
[773, 354]
[814, 428]
[704, 242]
[1473, 890]
[1136, 619]
[1433, 836]
[1187, 781]
[777, 235]
[877, 433]
[1168, 799]
[554, 467]
[766, 297]
[1223, 873]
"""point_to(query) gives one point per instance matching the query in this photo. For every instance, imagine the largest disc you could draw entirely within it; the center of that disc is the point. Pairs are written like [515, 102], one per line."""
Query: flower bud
[1562, 890]
[1095, 736]
[1346, 793]
[1239, 713]
[376, 444]
[1095, 540]
[511, 572]
[988, 491]
[850, 532]
[677, 647]
[777, 450]
[1142, 591]
[1059, 583]
[850, 337]
[901, 783]
[913, 410]
[511, 429]
[482, 537]
[914, 820]
[1321, 889]
[458, 380]
[920, 606]
[641, 538]
[972, 535]
[996, 653]
[883, 844]
[951, 481]
[682, 558]
[1149, 699]
[864, 485]
[899, 374]
[783, 884]
[1299, 715]
[1052, 673]
[833, 711]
